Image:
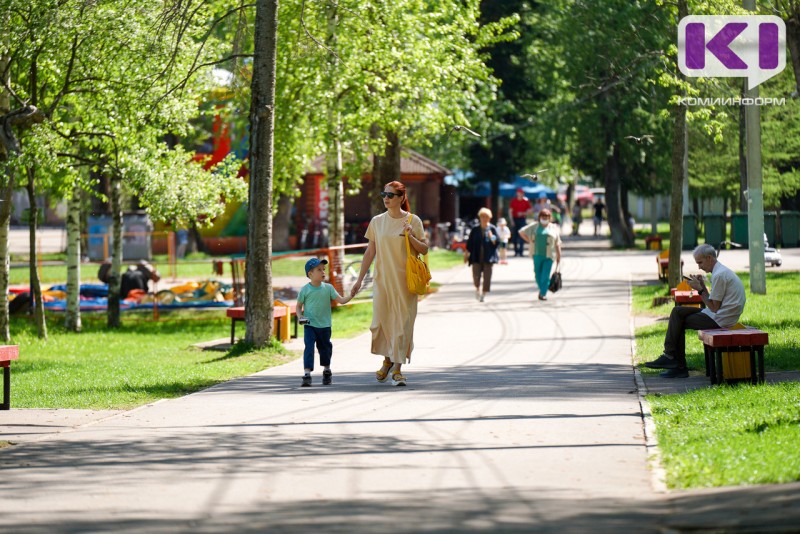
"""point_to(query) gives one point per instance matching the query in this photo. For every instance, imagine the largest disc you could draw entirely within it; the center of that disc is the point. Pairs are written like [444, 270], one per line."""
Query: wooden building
[431, 199]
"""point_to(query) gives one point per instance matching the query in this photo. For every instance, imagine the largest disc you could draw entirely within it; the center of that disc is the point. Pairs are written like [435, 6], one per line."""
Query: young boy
[314, 313]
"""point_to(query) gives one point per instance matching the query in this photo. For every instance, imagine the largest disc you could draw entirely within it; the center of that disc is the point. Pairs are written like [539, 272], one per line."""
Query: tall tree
[258, 308]
[111, 82]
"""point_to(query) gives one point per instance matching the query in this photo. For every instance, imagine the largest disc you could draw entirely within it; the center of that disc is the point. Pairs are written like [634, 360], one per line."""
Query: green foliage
[112, 79]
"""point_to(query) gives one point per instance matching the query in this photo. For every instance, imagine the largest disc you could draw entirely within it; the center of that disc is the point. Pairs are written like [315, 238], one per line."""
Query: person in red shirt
[519, 207]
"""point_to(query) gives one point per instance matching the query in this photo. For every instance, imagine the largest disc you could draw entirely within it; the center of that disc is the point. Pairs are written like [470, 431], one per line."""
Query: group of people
[543, 236]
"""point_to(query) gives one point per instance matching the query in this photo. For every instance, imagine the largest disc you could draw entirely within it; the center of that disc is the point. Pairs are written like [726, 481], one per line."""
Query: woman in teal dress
[545, 244]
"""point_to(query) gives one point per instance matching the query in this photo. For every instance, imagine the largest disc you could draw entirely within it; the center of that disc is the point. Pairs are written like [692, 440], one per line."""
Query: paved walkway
[520, 416]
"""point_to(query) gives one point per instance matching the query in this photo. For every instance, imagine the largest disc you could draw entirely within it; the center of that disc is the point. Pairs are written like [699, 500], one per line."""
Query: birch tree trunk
[333, 157]
[5, 220]
[6, 187]
[36, 288]
[258, 292]
[115, 278]
[72, 317]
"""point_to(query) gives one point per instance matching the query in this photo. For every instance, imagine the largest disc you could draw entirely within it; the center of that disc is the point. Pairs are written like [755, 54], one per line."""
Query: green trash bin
[689, 231]
[714, 228]
[769, 228]
[790, 228]
[739, 231]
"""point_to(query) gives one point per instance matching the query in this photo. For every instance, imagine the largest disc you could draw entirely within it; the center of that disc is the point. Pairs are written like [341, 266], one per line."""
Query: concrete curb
[658, 474]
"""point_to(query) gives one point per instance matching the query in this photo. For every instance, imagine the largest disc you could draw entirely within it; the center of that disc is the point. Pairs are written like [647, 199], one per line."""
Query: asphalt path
[519, 416]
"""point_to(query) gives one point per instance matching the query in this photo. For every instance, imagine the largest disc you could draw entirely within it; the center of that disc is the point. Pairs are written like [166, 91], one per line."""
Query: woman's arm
[366, 262]
[420, 245]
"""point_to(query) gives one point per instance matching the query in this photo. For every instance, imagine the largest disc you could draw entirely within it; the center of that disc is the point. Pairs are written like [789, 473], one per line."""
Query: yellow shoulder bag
[417, 274]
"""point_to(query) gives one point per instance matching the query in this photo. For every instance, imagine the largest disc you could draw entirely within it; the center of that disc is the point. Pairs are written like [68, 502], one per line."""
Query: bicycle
[350, 275]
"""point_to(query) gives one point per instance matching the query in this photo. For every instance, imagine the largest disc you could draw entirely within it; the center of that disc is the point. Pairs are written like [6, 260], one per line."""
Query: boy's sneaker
[327, 377]
[306, 381]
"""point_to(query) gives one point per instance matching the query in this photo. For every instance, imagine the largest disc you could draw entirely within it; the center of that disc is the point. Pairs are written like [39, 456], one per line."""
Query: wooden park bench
[684, 295]
[734, 354]
[662, 259]
[7, 353]
[282, 315]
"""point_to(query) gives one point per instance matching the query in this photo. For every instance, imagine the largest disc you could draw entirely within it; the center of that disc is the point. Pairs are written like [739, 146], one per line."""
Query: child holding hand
[314, 313]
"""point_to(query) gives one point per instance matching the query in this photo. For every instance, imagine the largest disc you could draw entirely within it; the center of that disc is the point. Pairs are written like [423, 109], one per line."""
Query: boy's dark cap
[313, 262]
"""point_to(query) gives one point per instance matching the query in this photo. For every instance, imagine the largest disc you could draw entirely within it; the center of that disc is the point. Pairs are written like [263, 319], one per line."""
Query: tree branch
[65, 87]
[183, 82]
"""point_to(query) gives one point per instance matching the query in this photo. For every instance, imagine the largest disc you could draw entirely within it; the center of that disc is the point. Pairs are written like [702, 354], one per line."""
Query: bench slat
[722, 337]
[9, 352]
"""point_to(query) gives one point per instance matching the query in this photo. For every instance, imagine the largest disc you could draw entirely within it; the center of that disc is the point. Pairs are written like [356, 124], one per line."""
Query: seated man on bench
[724, 306]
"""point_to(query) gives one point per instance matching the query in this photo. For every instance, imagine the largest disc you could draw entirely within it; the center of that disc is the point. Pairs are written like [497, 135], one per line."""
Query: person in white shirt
[505, 237]
[724, 305]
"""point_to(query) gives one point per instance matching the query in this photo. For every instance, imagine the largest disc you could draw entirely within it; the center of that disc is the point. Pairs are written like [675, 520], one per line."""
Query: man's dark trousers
[684, 318]
[519, 244]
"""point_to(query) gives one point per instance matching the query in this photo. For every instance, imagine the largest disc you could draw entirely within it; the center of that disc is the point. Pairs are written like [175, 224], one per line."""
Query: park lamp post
[755, 193]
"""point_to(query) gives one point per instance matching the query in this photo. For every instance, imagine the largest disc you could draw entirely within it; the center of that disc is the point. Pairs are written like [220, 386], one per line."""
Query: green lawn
[141, 362]
[199, 267]
[730, 435]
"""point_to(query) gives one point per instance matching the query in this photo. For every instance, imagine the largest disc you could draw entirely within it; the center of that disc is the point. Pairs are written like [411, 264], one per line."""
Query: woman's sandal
[383, 373]
[398, 380]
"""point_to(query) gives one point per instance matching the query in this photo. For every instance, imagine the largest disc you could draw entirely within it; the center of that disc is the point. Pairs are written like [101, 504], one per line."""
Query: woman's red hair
[400, 188]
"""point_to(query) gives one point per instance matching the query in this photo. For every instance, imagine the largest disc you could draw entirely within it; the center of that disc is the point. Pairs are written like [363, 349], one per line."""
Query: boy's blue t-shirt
[317, 303]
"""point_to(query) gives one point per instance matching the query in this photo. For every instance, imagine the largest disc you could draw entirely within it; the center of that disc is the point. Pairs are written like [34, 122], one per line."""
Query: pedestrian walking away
[505, 237]
[598, 207]
[314, 313]
[519, 207]
[545, 241]
[724, 305]
[481, 253]
[394, 307]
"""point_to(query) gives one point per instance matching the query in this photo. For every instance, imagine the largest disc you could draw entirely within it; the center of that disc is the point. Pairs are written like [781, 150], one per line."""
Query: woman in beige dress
[394, 307]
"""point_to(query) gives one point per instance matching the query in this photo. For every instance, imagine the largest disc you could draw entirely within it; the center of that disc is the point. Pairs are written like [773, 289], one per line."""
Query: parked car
[581, 195]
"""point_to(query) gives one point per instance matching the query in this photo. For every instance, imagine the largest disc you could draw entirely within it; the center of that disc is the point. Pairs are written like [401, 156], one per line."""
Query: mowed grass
[730, 435]
[143, 361]
[118, 369]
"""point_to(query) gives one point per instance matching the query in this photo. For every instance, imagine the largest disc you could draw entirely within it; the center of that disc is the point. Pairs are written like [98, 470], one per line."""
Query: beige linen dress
[394, 307]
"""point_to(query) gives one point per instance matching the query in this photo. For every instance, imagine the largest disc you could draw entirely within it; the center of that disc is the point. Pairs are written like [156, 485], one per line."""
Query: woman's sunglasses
[385, 194]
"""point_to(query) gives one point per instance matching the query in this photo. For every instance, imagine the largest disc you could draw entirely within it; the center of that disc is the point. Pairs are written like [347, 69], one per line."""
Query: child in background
[314, 313]
[505, 236]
